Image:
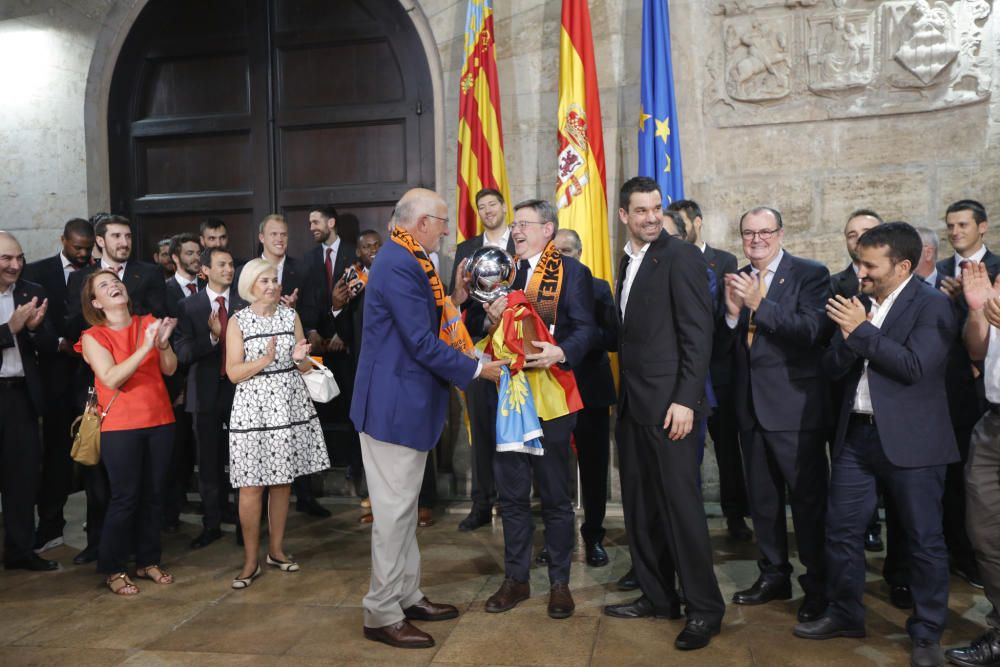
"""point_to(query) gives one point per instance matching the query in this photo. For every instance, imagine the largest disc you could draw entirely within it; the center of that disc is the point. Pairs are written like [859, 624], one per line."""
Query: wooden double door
[239, 108]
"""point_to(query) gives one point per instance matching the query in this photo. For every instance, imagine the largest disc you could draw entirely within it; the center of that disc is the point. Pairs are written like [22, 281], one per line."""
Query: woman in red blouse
[130, 355]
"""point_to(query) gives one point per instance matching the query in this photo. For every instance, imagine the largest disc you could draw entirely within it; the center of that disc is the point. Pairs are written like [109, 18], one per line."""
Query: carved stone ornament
[782, 61]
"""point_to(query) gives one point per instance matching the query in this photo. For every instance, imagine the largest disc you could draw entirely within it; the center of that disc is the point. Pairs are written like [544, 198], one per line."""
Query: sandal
[126, 584]
[163, 577]
[283, 565]
[240, 584]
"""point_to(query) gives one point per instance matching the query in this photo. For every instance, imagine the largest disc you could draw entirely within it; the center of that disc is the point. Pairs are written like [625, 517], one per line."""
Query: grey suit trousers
[982, 501]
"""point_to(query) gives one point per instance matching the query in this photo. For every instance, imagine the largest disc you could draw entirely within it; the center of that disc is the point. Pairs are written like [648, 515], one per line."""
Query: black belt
[862, 418]
[11, 382]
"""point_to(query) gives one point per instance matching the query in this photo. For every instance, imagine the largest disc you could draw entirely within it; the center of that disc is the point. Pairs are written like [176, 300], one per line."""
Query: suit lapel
[902, 303]
[649, 263]
[781, 276]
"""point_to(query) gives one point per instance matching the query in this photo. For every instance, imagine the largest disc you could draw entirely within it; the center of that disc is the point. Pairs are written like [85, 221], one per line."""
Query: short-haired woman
[130, 355]
[274, 434]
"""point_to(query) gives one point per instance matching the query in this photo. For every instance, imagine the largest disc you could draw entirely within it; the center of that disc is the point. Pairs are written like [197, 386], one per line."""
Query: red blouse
[143, 401]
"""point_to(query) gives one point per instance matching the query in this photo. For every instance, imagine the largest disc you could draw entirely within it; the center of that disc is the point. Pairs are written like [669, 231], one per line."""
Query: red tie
[329, 270]
[223, 323]
[192, 288]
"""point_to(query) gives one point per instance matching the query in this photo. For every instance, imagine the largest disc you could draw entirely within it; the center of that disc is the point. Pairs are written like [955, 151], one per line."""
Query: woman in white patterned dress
[274, 434]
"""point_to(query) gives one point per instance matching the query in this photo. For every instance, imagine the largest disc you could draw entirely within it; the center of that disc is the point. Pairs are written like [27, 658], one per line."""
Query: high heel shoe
[240, 584]
[284, 566]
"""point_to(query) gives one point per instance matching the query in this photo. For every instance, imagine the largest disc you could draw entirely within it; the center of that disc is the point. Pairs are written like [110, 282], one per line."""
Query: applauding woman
[274, 434]
[129, 356]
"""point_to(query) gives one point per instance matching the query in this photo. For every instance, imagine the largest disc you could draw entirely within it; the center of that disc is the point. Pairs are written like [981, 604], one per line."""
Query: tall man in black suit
[199, 342]
[24, 335]
[722, 422]
[147, 293]
[894, 429]
[593, 423]
[571, 322]
[777, 327]
[481, 397]
[967, 223]
[58, 372]
[664, 346]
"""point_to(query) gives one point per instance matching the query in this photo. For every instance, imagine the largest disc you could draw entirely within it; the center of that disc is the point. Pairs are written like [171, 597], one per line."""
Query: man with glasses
[776, 328]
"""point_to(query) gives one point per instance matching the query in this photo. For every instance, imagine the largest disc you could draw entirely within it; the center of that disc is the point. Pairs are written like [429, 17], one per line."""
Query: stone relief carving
[782, 61]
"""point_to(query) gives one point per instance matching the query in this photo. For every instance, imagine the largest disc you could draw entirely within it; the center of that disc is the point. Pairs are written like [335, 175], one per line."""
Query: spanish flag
[480, 134]
[582, 184]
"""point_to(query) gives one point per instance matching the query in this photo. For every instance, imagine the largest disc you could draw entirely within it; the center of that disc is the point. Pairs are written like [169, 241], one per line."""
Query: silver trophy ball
[492, 271]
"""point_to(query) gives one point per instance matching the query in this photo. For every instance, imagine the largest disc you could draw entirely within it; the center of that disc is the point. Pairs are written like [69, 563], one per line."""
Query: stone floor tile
[197, 659]
[32, 656]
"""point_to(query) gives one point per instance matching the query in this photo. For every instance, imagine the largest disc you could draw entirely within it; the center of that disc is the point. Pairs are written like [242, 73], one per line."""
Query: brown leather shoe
[400, 635]
[367, 517]
[425, 610]
[511, 592]
[560, 601]
[425, 517]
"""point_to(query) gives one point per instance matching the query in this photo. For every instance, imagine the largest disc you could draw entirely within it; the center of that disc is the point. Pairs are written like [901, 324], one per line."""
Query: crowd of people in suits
[833, 395]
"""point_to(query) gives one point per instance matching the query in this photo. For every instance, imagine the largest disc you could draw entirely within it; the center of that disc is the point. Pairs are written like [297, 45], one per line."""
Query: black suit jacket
[907, 357]
[146, 291]
[593, 374]
[665, 338]
[174, 294]
[57, 369]
[294, 276]
[475, 315]
[317, 300]
[720, 369]
[779, 382]
[193, 345]
[31, 344]
[845, 283]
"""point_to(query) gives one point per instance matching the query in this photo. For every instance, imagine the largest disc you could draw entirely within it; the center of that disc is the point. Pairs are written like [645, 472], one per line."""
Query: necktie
[119, 270]
[223, 323]
[961, 265]
[192, 288]
[521, 279]
[763, 293]
[329, 270]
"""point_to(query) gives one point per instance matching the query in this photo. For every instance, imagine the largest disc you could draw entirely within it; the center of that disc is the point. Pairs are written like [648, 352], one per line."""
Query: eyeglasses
[763, 234]
[521, 224]
[444, 220]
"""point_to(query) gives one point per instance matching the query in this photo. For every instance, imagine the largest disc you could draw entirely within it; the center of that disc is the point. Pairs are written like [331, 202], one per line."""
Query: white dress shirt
[67, 266]
[333, 248]
[932, 278]
[184, 282]
[879, 311]
[991, 367]
[110, 267]
[281, 266]
[975, 258]
[212, 296]
[12, 367]
[632, 268]
[502, 243]
[731, 322]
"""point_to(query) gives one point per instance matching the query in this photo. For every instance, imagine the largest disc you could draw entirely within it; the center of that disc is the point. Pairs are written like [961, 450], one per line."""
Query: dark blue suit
[907, 448]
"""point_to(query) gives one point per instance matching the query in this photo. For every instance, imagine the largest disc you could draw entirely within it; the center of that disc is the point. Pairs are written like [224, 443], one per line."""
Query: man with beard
[185, 253]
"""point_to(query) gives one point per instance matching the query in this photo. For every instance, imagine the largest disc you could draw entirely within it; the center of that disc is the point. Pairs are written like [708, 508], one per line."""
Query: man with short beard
[185, 251]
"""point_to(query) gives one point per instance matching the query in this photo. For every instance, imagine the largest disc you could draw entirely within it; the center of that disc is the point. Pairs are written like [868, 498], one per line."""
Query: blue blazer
[907, 359]
[405, 369]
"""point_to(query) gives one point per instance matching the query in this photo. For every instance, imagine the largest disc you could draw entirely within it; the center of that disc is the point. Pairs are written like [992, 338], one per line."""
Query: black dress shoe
[738, 529]
[827, 627]
[596, 555]
[543, 557]
[900, 597]
[88, 555]
[813, 607]
[34, 562]
[696, 634]
[873, 540]
[312, 508]
[641, 608]
[628, 582]
[969, 572]
[208, 535]
[475, 519]
[926, 653]
[764, 591]
[982, 652]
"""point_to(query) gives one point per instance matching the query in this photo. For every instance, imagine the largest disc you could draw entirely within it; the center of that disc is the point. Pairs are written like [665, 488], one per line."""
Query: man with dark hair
[722, 421]
[58, 371]
[893, 428]
[776, 327]
[481, 397]
[664, 346]
[185, 254]
[162, 258]
[966, 223]
[213, 233]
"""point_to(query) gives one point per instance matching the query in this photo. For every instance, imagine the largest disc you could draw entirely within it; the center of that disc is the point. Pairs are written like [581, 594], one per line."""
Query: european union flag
[659, 143]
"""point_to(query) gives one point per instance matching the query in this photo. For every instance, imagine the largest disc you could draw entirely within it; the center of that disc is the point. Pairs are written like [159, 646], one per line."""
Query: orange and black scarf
[545, 284]
[452, 331]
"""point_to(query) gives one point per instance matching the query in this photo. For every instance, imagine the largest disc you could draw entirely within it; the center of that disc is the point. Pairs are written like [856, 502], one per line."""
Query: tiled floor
[313, 617]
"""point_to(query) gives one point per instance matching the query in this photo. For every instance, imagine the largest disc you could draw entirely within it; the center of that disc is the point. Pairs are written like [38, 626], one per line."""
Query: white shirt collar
[333, 247]
[702, 246]
[184, 282]
[106, 265]
[889, 300]
[281, 262]
[212, 296]
[773, 266]
[974, 257]
[533, 261]
[66, 264]
[502, 243]
[632, 254]
[932, 278]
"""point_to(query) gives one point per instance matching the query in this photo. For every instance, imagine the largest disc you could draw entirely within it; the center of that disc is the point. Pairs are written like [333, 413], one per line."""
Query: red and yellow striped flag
[582, 184]
[480, 135]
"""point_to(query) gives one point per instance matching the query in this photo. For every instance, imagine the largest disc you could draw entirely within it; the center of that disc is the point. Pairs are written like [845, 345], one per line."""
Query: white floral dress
[274, 434]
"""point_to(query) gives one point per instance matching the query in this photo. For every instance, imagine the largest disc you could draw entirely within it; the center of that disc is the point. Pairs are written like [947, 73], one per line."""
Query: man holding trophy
[544, 326]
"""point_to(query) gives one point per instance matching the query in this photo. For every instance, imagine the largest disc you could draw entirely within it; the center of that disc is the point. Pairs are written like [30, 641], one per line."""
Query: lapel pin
[781, 281]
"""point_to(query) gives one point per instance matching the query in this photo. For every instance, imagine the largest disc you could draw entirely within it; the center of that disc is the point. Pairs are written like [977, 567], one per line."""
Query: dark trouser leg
[592, 454]
[982, 492]
[726, 439]
[57, 468]
[896, 569]
[428, 487]
[959, 547]
[181, 466]
[157, 443]
[512, 472]
[302, 486]
[552, 477]
[212, 450]
[852, 499]
[481, 402]
[20, 454]
[766, 491]
[98, 491]
[122, 453]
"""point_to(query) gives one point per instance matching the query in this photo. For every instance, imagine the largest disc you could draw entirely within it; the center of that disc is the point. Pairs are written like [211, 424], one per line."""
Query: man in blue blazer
[399, 404]
[893, 428]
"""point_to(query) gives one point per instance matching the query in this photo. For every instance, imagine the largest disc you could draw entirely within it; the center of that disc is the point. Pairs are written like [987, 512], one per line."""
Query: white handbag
[320, 383]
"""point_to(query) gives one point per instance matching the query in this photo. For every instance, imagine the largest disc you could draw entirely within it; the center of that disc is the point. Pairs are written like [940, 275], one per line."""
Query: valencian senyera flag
[480, 134]
[581, 190]
[659, 143]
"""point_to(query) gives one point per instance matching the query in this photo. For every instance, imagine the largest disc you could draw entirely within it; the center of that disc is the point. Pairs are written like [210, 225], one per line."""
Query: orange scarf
[452, 330]
[545, 284]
